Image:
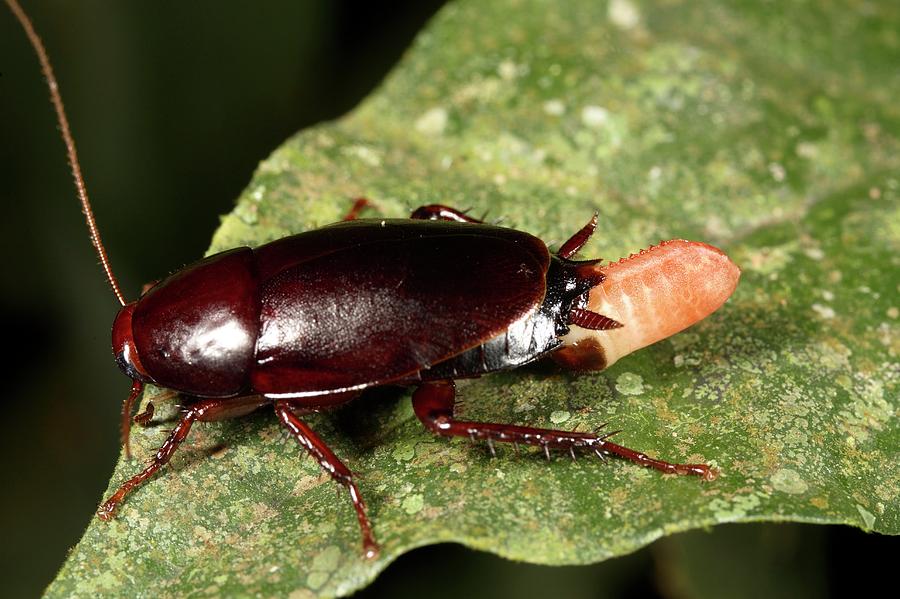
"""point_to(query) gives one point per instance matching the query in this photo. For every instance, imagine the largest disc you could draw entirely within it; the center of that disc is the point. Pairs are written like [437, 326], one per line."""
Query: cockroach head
[123, 345]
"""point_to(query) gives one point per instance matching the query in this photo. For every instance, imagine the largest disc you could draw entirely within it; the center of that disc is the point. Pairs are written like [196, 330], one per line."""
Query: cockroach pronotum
[312, 320]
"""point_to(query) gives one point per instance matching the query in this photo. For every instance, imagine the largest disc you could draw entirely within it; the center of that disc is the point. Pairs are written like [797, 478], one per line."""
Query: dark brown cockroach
[312, 320]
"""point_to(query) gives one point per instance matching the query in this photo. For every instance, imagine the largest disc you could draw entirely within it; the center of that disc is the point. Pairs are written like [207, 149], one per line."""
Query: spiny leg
[580, 315]
[429, 212]
[433, 404]
[206, 410]
[127, 407]
[359, 204]
[577, 241]
[441, 212]
[330, 463]
[145, 418]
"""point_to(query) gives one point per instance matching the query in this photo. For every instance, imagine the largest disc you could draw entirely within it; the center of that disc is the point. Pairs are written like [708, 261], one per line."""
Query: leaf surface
[771, 132]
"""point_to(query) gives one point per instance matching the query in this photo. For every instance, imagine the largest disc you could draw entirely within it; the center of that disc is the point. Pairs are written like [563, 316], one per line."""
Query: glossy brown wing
[287, 252]
[381, 311]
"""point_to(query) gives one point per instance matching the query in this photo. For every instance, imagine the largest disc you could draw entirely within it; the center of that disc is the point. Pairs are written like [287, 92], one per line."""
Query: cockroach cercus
[312, 320]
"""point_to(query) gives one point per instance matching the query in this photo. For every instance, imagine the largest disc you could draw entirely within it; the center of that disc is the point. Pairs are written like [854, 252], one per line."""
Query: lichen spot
[825, 312]
[629, 383]
[369, 156]
[323, 566]
[404, 452]
[594, 117]
[508, 70]
[554, 107]
[789, 481]
[433, 122]
[413, 504]
[814, 253]
[777, 171]
[559, 416]
[623, 14]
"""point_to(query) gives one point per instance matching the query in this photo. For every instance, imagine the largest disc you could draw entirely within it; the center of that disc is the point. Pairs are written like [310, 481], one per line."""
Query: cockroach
[312, 320]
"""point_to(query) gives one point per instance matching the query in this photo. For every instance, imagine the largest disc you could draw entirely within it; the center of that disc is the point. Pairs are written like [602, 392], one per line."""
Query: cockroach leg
[127, 407]
[146, 416]
[331, 465]
[441, 212]
[433, 405]
[577, 241]
[490, 444]
[205, 410]
[148, 286]
[359, 204]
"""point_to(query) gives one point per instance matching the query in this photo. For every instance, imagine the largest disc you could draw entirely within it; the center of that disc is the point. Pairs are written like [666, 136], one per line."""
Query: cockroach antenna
[80, 187]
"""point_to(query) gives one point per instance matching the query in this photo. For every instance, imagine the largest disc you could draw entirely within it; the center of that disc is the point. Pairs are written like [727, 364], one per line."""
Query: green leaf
[770, 131]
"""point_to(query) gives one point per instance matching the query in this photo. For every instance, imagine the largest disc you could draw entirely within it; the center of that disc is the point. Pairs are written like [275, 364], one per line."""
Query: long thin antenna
[80, 187]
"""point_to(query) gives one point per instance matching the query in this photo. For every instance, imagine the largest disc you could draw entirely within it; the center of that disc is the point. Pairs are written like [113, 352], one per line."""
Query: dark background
[173, 105]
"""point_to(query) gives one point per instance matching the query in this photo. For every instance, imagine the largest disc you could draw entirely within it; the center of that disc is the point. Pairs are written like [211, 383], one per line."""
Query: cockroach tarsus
[312, 320]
